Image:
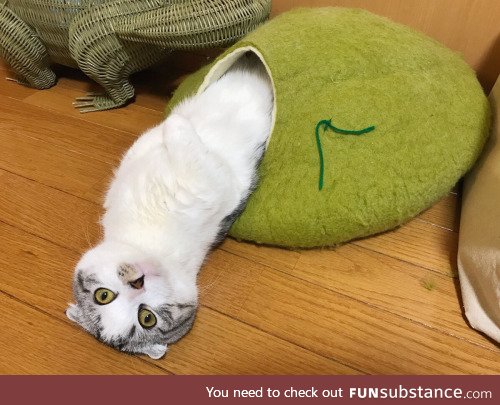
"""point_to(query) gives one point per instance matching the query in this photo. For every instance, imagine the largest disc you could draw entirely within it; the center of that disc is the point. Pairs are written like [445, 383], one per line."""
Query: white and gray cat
[174, 196]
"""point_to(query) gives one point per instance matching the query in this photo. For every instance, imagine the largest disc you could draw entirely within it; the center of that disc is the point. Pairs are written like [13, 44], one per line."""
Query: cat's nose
[137, 284]
[129, 274]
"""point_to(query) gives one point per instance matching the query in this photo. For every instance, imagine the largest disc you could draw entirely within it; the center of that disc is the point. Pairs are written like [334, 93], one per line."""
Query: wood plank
[38, 272]
[352, 332]
[216, 345]
[445, 213]
[268, 255]
[11, 89]
[54, 166]
[189, 61]
[74, 134]
[131, 118]
[381, 282]
[48, 213]
[419, 243]
[423, 296]
[35, 343]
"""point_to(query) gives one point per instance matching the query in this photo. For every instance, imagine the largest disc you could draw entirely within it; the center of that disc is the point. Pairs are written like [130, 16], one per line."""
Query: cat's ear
[74, 313]
[156, 351]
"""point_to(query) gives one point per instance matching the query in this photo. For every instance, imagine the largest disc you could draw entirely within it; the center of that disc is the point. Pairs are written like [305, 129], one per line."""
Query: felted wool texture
[359, 69]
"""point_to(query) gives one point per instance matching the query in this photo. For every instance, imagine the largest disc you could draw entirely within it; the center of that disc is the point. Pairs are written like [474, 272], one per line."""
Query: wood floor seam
[293, 343]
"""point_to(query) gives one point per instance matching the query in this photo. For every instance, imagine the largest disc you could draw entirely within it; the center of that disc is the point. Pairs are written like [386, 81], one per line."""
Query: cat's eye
[103, 296]
[146, 318]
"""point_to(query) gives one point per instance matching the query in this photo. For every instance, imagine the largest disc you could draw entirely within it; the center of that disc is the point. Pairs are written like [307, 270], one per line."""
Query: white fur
[181, 178]
[177, 183]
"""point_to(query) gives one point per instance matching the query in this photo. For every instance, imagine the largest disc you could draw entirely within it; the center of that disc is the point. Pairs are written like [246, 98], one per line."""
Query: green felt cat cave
[418, 113]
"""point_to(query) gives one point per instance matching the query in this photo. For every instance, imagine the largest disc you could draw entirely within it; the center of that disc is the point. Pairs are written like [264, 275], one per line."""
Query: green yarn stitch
[328, 125]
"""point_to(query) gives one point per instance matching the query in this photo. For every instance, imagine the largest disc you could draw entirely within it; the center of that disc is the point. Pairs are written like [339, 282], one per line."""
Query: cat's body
[174, 195]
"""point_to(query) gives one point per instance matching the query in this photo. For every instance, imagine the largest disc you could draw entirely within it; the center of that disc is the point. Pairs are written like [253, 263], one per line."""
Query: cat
[173, 197]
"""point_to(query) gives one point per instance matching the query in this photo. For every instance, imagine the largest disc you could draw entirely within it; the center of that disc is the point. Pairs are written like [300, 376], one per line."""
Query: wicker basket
[111, 39]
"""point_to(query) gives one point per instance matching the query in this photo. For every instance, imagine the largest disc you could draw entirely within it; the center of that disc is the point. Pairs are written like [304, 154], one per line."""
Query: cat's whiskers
[202, 289]
[87, 236]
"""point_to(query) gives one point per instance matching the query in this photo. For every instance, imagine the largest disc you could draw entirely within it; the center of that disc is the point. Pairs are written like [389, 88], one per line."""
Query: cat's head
[128, 301]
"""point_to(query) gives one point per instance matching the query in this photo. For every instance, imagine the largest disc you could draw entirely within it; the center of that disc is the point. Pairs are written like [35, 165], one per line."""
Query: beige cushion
[479, 242]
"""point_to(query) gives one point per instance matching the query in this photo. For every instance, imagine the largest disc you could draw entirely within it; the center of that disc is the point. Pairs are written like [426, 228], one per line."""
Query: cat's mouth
[137, 283]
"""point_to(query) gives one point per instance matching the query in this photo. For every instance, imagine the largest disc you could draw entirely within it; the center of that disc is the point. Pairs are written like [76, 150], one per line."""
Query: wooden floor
[389, 304]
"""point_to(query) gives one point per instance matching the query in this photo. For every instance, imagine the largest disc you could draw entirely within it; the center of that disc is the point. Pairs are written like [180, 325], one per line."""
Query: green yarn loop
[328, 125]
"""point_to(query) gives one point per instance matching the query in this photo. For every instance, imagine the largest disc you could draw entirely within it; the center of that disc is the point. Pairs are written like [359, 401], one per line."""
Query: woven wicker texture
[111, 39]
